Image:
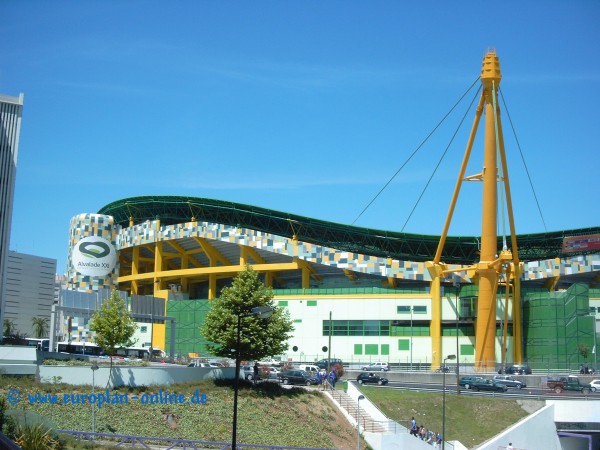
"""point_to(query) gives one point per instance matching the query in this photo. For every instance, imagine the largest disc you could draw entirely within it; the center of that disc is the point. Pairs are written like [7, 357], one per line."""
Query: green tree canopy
[259, 338]
[113, 325]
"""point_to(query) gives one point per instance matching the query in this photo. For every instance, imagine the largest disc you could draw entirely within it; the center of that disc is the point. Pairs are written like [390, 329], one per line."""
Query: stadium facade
[371, 287]
[11, 109]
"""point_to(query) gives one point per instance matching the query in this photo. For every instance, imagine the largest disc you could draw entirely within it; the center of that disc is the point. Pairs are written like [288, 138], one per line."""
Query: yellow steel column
[305, 277]
[212, 286]
[243, 257]
[435, 326]
[269, 279]
[158, 266]
[517, 270]
[485, 333]
[135, 268]
[184, 280]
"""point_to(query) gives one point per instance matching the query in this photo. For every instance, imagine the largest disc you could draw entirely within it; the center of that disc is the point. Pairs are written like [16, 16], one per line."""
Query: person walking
[510, 447]
[332, 379]
[255, 372]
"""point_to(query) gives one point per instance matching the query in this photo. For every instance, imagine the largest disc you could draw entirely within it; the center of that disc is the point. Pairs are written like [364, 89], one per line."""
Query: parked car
[309, 368]
[516, 369]
[327, 363]
[468, 381]
[297, 377]
[369, 377]
[488, 385]
[569, 383]
[595, 385]
[509, 381]
[248, 372]
[380, 366]
[199, 364]
[273, 373]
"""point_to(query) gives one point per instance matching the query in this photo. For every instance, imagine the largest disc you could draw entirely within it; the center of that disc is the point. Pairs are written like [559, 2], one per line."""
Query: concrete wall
[18, 360]
[534, 431]
[132, 376]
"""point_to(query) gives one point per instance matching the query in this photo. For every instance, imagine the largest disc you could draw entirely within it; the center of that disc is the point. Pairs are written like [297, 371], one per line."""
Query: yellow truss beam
[213, 254]
[161, 275]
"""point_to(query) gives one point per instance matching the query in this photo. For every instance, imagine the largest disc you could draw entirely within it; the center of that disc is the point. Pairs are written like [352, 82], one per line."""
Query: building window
[403, 309]
[357, 327]
[385, 349]
[422, 309]
[283, 302]
[371, 349]
[358, 349]
[311, 303]
[403, 344]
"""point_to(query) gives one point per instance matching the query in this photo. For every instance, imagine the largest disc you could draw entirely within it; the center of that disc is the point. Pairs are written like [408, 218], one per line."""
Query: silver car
[509, 381]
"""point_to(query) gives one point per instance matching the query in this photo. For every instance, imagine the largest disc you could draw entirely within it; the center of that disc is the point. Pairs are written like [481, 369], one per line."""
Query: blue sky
[304, 107]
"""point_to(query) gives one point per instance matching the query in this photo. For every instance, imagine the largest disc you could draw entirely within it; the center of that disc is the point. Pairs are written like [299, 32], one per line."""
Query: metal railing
[172, 443]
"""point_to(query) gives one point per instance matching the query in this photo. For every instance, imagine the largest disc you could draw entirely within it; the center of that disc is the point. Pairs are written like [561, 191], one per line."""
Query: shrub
[36, 437]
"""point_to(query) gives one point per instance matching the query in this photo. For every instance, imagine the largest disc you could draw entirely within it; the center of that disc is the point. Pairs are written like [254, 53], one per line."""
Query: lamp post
[94, 368]
[260, 311]
[360, 397]
[411, 336]
[456, 284]
[444, 402]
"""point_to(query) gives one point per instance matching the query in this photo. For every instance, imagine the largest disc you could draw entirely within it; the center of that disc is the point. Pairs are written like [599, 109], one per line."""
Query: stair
[367, 423]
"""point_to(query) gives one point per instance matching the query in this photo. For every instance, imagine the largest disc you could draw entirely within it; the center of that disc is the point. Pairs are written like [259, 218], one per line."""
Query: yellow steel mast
[487, 272]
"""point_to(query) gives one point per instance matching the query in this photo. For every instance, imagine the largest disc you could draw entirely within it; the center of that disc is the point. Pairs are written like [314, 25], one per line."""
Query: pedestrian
[319, 379]
[510, 447]
[332, 379]
[255, 372]
[413, 426]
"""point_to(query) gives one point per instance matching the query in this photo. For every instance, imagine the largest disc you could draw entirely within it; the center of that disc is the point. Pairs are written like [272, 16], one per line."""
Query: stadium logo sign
[94, 256]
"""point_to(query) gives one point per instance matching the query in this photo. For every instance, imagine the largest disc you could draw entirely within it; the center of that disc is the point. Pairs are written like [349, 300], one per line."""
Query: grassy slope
[469, 419]
[273, 415]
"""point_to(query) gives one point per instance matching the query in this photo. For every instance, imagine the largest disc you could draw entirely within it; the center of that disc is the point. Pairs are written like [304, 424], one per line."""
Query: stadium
[373, 285]
[358, 294]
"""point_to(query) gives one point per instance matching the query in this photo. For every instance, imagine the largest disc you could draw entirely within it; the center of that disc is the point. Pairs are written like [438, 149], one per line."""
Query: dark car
[488, 385]
[365, 378]
[327, 363]
[509, 381]
[516, 369]
[297, 377]
[467, 382]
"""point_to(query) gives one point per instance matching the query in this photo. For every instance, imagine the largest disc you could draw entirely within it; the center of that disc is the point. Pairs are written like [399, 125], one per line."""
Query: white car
[309, 368]
[380, 366]
[595, 385]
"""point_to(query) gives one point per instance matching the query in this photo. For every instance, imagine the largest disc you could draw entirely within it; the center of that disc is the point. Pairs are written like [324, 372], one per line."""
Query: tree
[113, 325]
[259, 338]
[40, 326]
[9, 327]
[584, 350]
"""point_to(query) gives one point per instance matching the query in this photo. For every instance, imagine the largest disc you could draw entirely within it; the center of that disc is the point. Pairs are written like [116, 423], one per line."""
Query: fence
[173, 443]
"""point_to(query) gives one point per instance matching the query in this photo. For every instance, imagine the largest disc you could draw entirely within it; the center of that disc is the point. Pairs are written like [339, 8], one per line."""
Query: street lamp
[444, 402]
[411, 336]
[94, 368]
[262, 312]
[456, 285]
[360, 397]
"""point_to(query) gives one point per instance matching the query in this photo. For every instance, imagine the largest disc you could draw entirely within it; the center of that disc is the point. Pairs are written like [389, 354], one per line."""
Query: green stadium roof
[368, 241]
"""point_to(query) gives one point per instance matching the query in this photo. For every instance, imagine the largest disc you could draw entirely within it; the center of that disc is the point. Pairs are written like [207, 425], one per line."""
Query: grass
[469, 419]
[267, 414]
